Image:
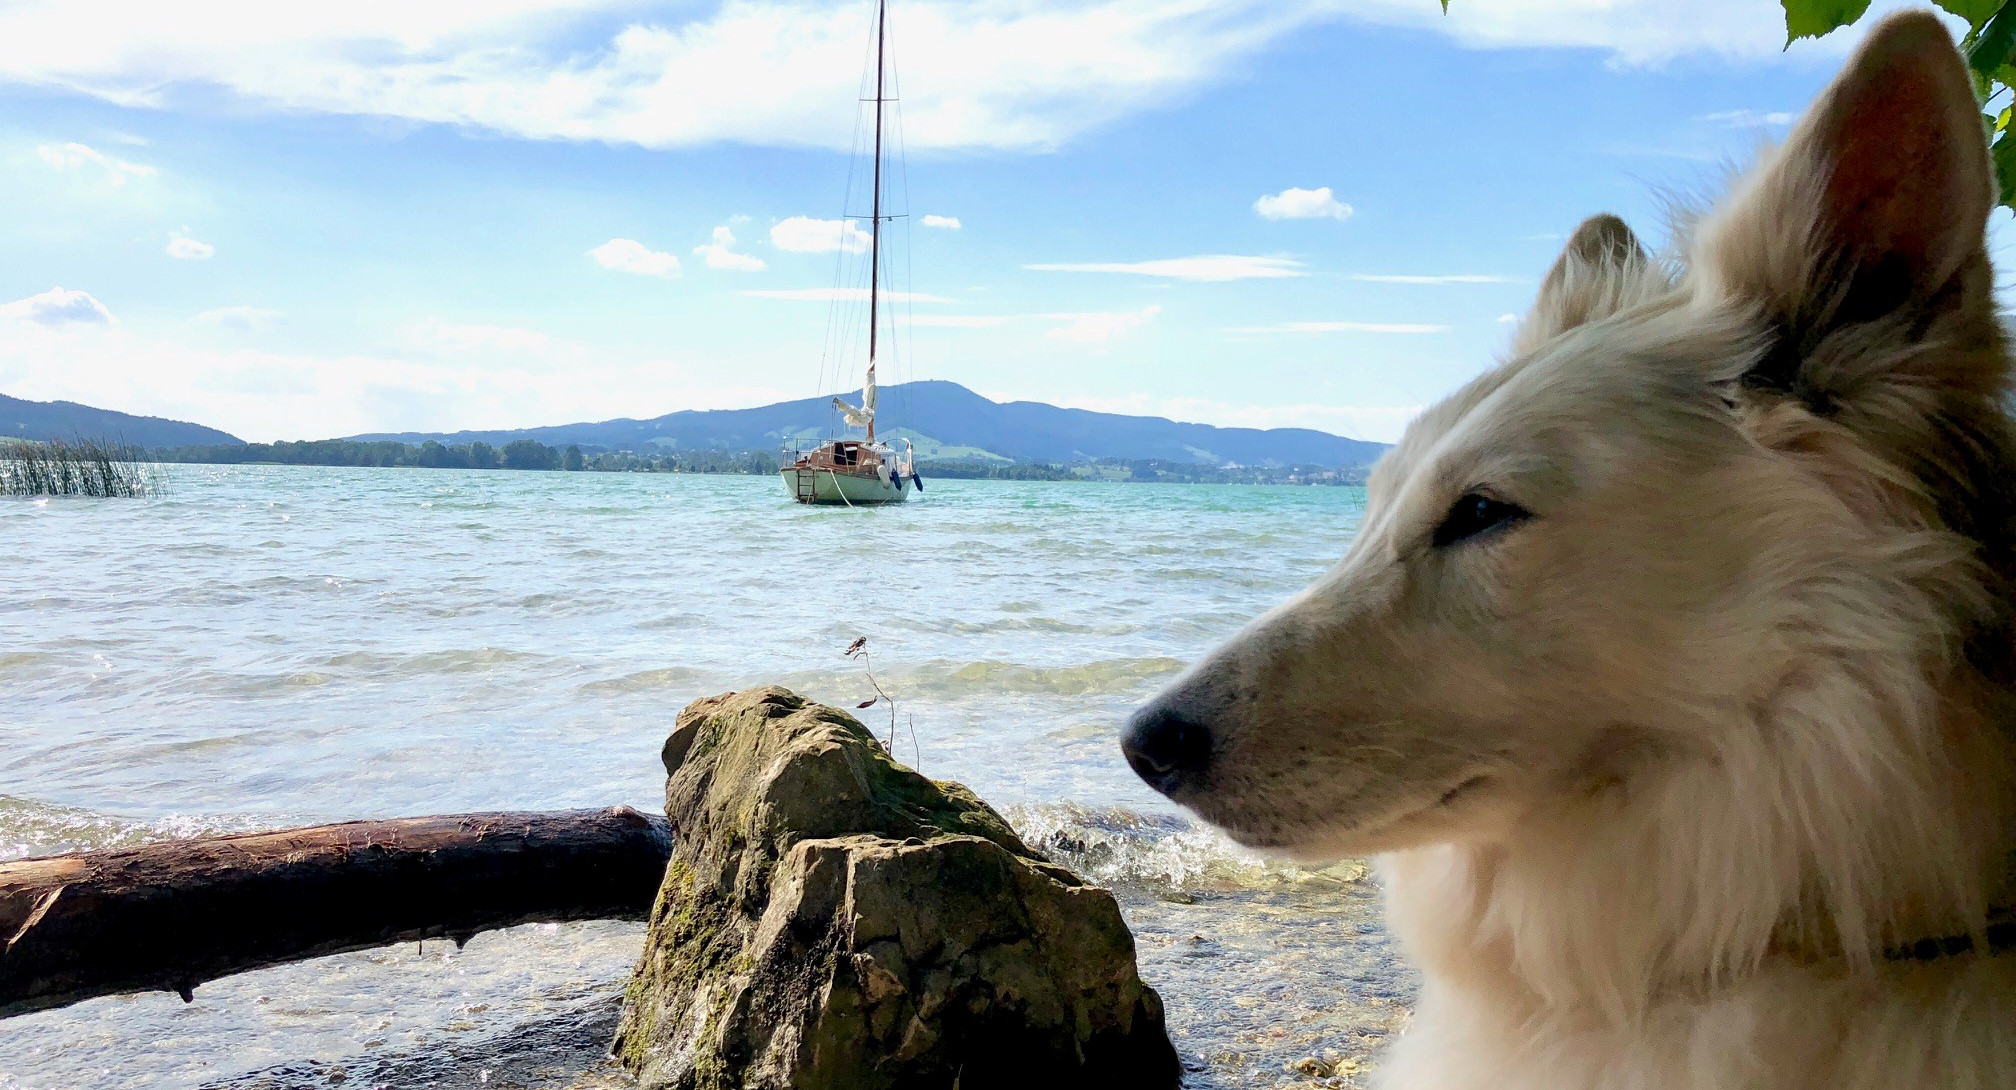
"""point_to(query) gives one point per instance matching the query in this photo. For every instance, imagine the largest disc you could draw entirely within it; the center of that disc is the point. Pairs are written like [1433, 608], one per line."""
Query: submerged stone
[832, 919]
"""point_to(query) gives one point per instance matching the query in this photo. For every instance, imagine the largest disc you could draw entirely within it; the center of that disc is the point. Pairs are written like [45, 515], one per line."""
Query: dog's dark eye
[1473, 515]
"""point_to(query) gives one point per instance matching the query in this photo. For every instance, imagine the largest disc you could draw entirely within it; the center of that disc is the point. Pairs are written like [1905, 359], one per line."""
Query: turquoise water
[266, 646]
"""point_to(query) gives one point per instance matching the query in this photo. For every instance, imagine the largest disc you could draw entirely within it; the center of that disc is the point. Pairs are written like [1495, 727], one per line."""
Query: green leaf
[1995, 46]
[1975, 12]
[1814, 18]
[2004, 154]
[1445, 7]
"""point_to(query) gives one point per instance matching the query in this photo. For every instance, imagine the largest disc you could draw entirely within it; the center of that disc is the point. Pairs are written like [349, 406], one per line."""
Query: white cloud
[961, 321]
[72, 156]
[1210, 268]
[843, 295]
[631, 256]
[264, 395]
[805, 235]
[720, 253]
[243, 319]
[184, 248]
[1341, 327]
[1100, 328]
[1019, 74]
[1302, 204]
[458, 337]
[1507, 319]
[1749, 119]
[948, 223]
[1454, 278]
[978, 73]
[57, 307]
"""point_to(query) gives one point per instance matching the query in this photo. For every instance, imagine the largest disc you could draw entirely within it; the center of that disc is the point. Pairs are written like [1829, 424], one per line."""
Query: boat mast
[875, 228]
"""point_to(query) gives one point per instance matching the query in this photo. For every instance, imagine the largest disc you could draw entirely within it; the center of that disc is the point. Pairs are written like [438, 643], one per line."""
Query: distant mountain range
[945, 420]
[948, 421]
[44, 421]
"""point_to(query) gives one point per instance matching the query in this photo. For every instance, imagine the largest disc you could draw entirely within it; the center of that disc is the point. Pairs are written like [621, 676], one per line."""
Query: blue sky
[296, 221]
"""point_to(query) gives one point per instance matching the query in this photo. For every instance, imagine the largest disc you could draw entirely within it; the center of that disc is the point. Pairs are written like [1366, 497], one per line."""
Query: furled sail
[863, 416]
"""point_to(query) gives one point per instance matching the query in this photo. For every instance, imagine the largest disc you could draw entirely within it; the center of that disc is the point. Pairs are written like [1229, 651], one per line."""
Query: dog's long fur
[1670, 763]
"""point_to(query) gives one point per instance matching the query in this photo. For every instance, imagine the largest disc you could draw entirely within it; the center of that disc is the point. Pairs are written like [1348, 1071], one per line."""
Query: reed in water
[84, 467]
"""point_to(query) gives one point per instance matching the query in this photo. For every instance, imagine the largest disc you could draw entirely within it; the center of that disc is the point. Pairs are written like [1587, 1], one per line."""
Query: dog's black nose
[1164, 748]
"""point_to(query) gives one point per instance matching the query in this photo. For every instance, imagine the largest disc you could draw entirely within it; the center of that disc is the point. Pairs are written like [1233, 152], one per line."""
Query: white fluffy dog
[1673, 670]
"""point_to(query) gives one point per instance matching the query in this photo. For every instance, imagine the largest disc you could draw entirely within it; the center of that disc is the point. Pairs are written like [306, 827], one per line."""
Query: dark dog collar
[2000, 935]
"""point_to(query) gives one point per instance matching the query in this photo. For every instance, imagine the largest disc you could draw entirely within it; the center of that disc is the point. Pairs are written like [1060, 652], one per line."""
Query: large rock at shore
[831, 919]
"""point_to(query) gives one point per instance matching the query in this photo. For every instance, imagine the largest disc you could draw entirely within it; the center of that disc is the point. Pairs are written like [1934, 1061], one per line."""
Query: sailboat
[861, 472]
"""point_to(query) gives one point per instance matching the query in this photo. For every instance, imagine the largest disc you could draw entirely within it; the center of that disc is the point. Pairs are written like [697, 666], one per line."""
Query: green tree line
[517, 454]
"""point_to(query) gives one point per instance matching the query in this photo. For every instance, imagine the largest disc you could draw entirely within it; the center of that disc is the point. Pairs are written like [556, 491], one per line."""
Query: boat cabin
[842, 455]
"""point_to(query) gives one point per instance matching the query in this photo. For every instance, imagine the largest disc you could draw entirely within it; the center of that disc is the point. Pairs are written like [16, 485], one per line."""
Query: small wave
[665, 677]
[30, 828]
[1103, 676]
[461, 661]
[942, 680]
[1165, 853]
[950, 680]
[671, 621]
[1042, 625]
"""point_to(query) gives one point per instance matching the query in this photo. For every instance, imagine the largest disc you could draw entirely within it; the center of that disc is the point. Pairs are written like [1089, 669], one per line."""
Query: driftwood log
[170, 916]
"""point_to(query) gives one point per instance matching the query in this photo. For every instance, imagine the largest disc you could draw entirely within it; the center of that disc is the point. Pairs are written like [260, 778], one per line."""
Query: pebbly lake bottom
[268, 646]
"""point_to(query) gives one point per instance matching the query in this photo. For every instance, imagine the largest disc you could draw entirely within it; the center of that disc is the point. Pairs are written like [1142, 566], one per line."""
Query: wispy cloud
[720, 253]
[1080, 327]
[1011, 74]
[1749, 119]
[962, 321]
[1341, 327]
[843, 295]
[1507, 319]
[1452, 278]
[184, 248]
[262, 395]
[57, 307]
[631, 256]
[805, 235]
[73, 156]
[443, 336]
[944, 223]
[242, 319]
[1100, 327]
[1302, 204]
[1210, 268]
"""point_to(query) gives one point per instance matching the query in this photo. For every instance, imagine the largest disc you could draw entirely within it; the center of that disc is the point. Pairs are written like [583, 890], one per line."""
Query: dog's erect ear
[1875, 210]
[1601, 271]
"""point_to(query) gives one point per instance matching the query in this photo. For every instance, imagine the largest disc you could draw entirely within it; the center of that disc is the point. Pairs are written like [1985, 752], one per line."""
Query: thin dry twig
[859, 650]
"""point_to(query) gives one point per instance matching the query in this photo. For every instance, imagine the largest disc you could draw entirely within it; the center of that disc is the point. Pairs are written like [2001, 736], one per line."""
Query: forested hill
[44, 421]
[949, 420]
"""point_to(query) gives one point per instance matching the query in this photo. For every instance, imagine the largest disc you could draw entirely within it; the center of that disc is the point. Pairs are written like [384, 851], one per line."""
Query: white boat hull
[827, 487]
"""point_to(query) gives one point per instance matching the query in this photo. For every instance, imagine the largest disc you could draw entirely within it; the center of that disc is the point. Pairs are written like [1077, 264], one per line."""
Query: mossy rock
[831, 920]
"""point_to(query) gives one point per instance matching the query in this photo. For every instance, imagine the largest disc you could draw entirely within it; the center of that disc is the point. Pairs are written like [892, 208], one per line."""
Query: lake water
[269, 646]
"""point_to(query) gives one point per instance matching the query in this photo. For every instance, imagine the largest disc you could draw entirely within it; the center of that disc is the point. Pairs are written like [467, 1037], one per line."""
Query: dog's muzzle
[1166, 749]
